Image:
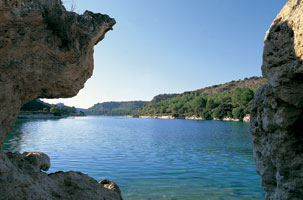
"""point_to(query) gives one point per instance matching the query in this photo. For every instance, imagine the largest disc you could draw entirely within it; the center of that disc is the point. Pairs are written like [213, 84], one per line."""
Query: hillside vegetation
[40, 106]
[232, 99]
[115, 108]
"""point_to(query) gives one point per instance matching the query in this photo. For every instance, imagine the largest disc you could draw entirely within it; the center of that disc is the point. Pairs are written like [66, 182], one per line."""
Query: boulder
[21, 177]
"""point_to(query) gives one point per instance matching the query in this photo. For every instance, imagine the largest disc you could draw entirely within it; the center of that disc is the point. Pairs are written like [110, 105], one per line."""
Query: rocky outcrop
[194, 117]
[277, 112]
[47, 52]
[230, 119]
[246, 118]
[21, 178]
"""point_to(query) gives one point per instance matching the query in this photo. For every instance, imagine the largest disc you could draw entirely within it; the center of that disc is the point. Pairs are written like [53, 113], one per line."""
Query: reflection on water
[149, 158]
[15, 141]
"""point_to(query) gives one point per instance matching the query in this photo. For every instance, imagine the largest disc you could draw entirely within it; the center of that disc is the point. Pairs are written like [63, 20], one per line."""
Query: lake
[149, 158]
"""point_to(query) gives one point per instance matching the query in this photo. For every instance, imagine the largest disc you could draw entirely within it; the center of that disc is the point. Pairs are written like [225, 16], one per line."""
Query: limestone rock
[45, 51]
[246, 118]
[35, 161]
[21, 178]
[277, 111]
[108, 184]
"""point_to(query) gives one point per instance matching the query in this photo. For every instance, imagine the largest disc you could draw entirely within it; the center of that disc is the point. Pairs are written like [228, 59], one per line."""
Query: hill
[115, 108]
[39, 106]
[251, 83]
[36, 105]
[231, 100]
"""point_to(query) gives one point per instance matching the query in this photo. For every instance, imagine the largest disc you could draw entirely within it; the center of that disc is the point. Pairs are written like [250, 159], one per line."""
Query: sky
[172, 46]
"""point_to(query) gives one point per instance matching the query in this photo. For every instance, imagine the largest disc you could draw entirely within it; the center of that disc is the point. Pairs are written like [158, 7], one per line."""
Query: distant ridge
[115, 108]
[229, 101]
[251, 83]
[190, 103]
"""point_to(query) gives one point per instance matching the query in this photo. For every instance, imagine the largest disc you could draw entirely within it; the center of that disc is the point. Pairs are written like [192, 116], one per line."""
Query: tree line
[39, 106]
[235, 104]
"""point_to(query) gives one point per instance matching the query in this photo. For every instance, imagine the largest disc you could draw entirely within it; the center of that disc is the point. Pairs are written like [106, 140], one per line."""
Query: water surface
[149, 158]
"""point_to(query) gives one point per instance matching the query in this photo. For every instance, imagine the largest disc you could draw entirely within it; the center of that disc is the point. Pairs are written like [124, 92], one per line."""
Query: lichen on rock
[277, 111]
[45, 52]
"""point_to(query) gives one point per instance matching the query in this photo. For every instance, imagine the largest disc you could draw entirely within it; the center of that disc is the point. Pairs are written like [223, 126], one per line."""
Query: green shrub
[238, 113]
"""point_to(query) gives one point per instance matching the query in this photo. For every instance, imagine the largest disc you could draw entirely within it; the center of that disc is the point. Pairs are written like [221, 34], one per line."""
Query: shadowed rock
[20, 178]
[277, 112]
[45, 52]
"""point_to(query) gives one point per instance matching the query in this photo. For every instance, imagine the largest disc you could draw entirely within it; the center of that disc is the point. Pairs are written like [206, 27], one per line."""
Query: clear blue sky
[171, 46]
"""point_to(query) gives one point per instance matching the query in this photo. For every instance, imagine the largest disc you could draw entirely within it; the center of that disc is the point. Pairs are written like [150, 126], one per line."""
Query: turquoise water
[149, 158]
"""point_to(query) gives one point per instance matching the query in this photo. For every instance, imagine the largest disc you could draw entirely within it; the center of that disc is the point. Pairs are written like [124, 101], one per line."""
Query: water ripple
[149, 158]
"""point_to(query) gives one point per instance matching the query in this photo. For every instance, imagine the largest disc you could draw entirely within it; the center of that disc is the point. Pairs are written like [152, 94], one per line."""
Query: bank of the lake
[246, 118]
[149, 158]
[36, 115]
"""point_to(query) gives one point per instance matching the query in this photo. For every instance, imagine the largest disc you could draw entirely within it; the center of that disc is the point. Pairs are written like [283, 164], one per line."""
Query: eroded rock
[21, 178]
[277, 112]
[45, 52]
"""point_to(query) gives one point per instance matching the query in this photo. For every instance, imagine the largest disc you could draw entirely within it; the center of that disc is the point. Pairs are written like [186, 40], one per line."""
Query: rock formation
[277, 114]
[20, 178]
[47, 52]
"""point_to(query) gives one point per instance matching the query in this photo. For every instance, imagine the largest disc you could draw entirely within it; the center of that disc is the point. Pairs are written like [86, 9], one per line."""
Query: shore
[43, 115]
[245, 119]
[48, 115]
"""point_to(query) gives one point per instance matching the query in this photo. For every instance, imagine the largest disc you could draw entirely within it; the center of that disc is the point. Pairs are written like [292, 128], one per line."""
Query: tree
[241, 97]
[198, 104]
[238, 113]
[56, 111]
[210, 104]
[206, 114]
[223, 110]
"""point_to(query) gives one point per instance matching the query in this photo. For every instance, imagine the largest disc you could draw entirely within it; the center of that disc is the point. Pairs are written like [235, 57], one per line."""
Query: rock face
[47, 52]
[277, 113]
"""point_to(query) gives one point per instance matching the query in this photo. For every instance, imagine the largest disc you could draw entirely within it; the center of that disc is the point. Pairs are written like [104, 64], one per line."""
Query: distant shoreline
[245, 119]
[48, 115]
[43, 115]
